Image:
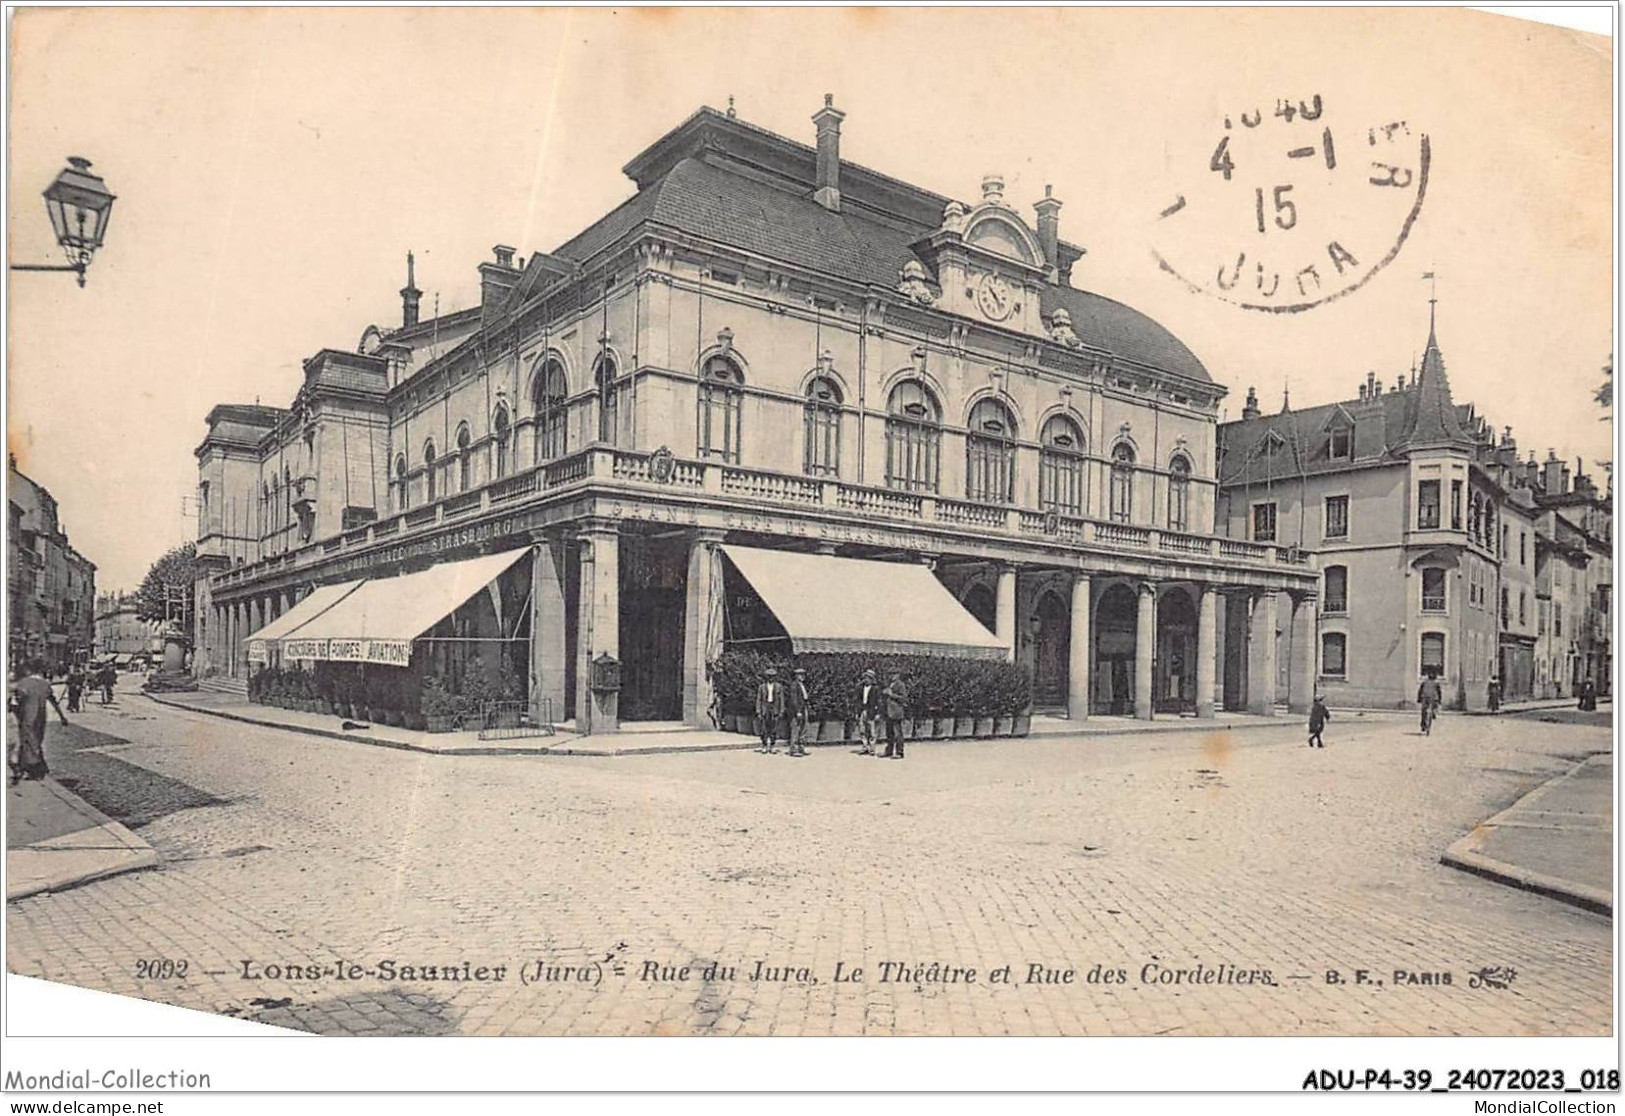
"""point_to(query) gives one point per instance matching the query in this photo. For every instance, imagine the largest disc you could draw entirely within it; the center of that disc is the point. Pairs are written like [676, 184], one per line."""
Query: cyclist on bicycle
[1429, 696]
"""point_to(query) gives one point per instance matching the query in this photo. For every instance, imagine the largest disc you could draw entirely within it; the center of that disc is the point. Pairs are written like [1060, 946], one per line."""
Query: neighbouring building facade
[52, 586]
[120, 630]
[764, 350]
[1439, 549]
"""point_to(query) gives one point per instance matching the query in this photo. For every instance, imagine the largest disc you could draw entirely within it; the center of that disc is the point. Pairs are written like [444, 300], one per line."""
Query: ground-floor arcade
[623, 613]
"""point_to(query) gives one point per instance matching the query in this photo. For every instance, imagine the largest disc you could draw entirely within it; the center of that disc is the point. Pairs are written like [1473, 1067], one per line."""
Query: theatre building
[768, 379]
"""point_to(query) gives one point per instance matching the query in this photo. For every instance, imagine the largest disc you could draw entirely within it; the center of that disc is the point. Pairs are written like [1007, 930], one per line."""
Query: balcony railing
[607, 465]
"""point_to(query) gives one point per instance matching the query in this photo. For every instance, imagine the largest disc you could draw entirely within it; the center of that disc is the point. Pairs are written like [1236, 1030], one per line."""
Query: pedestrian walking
[796, 703]
[769, 709]
[105, 678]
[1429, 696]
[1495, 695]
[870, 705]
[76, 687]
[896, 706]
[29, 696]
[1588, 696]
[1318, 716]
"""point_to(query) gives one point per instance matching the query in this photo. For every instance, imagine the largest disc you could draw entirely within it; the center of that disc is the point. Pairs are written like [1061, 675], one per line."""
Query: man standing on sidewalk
[796, 702]
[870, 706]
[896, 709]
[769, 709]
[29, 696]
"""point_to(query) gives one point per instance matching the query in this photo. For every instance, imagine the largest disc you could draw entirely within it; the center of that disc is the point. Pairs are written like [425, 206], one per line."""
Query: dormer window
[1340, 445]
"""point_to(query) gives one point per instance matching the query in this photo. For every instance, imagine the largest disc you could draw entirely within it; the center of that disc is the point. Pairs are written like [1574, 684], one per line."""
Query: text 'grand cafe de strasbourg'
[766, 378]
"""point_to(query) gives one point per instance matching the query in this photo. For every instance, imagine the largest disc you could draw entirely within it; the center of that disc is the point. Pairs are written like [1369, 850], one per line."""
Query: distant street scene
[1209, 858]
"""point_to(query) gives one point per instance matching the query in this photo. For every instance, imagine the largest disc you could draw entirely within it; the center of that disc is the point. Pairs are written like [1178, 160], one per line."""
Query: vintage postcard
[813, 523]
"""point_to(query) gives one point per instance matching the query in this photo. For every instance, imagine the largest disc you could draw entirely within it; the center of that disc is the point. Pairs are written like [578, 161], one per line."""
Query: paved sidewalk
[636, 741]
[1557, 840]
[57, 840]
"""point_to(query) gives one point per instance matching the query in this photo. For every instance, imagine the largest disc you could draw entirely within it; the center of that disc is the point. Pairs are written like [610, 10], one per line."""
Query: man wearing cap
[769, 709]
[870, 704]
[796, 701]
[896, 696]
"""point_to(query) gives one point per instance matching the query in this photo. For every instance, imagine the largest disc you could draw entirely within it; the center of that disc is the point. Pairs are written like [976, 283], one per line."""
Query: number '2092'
[164, 968]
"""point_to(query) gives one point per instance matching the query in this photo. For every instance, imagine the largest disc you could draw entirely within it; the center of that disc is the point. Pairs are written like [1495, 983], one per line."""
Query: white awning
[378, 622]
[320, 599]
[853, 604]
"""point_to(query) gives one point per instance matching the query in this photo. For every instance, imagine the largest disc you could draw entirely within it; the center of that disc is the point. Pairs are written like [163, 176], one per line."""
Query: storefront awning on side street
[378, 622]
[853, 604]
[320, 599]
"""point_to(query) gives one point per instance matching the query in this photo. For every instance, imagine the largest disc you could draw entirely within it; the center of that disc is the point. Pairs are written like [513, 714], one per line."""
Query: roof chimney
[496, 280]
[1250, 409]
[1049, 232]
[1399, 385]
[828, 121]
[1552, 474]
[410, 297]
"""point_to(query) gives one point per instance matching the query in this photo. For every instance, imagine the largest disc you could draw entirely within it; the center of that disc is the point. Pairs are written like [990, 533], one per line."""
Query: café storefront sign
[386, 652]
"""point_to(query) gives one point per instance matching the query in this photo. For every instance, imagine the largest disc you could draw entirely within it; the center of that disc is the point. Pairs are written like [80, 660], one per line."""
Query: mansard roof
[738, 185]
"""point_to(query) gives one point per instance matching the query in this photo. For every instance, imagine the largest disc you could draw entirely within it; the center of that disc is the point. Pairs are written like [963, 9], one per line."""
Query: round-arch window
[720, 409]
[1179, 493]
[548, 397]
[822, 428]
[1122, 488]
[1061, 466]
[913, 438]
[990, 453]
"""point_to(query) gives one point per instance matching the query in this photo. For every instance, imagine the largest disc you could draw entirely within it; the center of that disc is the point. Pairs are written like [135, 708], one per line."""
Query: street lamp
[79, 205]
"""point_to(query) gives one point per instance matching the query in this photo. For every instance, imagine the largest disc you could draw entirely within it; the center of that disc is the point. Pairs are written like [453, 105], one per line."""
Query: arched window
[403, 495]
[465, 458]
[1060, 466]
[823, 428]
[913, 438]
[499, 439]
[1122, 495]
[990, 453]
[548, 393]
[1179, 493]
[608, 405]
[720, 397]
[428, 471]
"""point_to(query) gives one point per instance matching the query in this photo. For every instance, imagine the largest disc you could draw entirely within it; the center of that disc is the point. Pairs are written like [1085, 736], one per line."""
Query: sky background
[274, 166]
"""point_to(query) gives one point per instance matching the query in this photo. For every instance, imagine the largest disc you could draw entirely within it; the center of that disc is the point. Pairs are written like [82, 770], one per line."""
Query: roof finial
[1433, 303]
[731, 112]
[1286, 395]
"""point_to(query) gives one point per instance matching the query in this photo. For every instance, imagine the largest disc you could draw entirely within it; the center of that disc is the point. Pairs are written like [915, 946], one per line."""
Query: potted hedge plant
[439, 705]
[509, 693]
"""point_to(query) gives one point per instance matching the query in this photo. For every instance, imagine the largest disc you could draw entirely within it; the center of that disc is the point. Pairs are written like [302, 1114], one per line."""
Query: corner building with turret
[765, 350]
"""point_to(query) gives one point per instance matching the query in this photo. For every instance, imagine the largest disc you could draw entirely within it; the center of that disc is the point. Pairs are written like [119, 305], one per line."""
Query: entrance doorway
[653, 584]
[1174, 675]
[1052, 646]
[1115, 618]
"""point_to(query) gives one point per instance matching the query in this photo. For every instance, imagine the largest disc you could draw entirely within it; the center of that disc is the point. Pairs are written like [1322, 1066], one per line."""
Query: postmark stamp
[1293, 208]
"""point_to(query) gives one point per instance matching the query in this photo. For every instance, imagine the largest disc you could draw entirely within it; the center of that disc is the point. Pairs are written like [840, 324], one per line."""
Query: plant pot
[906, 727]
[1001, 724]
[439, 722]
[1022, 725]
[964, 726]
[984, 726]
[415, 721]
[363, 712]
[941, 727]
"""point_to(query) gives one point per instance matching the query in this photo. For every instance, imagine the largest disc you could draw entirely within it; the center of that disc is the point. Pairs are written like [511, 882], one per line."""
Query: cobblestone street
[1114, 857]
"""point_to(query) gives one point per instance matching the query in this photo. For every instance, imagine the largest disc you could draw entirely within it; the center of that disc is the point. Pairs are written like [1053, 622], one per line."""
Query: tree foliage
[178, 567]
[1604, 394]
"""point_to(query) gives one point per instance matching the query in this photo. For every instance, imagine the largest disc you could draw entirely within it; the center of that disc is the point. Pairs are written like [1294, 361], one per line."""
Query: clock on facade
[994, 297]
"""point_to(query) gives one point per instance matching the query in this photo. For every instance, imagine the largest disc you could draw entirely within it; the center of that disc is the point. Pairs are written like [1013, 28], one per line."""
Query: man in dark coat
[30, 694]
[796, 704]
[1318, 716]
[1429, 695]
[896, 709]
[76, 686]
[769, 709]
[871, 704]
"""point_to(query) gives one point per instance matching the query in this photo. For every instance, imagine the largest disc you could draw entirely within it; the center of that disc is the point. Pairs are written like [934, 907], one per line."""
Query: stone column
[1080, 652]
[1261, 656]
[1305, 655]
[1207, 643]
[548, 632]
[1145, 646]
[598, 632]
[698, 605]
[1004, 623]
